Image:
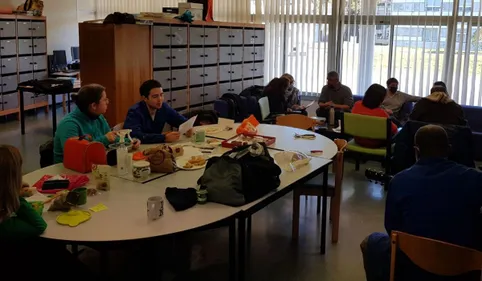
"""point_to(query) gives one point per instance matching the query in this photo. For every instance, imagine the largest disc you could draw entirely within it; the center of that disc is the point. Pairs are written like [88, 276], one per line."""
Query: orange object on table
[248, 126]
[138, 156]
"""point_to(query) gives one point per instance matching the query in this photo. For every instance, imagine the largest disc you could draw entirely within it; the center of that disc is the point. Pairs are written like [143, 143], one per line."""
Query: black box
[170, 10]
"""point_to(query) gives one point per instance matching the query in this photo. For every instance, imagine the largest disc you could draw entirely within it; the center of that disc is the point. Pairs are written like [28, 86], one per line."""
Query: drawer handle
[168, 79]
[1, 28]
[174, 58]
[174, 79]
[168, 35]
[4, 84]
[174, 100]
[2, 47]
[168, 58]
[4, 66]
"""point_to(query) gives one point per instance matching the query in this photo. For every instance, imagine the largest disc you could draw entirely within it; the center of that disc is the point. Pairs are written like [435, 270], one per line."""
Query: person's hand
[111, 136]
[390, 112]
[24, 184]
[172, 136]
[289, 110]
[189, 133]
[136, 144]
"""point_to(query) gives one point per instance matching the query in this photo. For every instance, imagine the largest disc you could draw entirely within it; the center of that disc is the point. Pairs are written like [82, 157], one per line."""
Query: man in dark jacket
[147, 118]
[437, 199]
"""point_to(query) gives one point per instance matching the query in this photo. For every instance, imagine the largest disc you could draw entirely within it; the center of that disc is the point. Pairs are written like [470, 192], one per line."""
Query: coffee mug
[141, 170]
[155, 208]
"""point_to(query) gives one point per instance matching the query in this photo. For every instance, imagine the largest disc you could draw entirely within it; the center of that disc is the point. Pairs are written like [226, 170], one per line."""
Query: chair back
[296, 121]
[434, 256]
[365, 126]
[118, 127]
[264, 107]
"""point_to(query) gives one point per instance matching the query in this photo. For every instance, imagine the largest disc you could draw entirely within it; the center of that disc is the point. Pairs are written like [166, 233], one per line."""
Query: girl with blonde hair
[17, 217]
[292, 94]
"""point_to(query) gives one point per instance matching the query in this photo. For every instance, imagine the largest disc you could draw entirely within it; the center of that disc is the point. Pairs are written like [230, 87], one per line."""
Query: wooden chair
[313, 188]
[296, 121]
[434, 256]
[118, 127]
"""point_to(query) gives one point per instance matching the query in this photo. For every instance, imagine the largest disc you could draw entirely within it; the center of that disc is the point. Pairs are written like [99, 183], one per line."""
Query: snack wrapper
[248, 126]
[291, 161]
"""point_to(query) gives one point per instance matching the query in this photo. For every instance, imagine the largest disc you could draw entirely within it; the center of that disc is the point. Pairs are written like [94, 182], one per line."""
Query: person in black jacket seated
[438, 108]
[275, 91]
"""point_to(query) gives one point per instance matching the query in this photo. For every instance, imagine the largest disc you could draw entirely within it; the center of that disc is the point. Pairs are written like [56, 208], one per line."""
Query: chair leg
[318, 205]
[357, 165]
[331, 209]
[295, 227]
[335, 215]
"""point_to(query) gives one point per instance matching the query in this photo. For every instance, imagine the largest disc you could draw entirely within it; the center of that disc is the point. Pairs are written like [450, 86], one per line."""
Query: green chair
[363, 126]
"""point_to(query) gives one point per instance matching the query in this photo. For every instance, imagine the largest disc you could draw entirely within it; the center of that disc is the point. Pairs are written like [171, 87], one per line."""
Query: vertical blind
[366, 41]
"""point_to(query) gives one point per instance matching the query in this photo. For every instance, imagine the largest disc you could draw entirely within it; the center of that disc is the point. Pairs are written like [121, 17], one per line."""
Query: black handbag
[240, 176]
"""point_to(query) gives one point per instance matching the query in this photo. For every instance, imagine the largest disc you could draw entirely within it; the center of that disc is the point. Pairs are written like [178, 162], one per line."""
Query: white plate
[189, 152]
[212, 130]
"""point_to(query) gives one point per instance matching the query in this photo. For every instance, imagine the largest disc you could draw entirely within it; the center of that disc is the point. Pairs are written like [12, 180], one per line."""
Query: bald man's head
[432, 141]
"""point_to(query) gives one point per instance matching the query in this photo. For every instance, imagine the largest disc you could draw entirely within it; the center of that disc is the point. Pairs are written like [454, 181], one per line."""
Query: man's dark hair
[332, 74]
[147, 86]
[374, 96]
[392, 80]
[88, 95]
[441, 84]
[432, 141]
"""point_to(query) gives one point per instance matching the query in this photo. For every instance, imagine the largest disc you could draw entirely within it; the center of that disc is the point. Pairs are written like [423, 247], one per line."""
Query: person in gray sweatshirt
[394, 101]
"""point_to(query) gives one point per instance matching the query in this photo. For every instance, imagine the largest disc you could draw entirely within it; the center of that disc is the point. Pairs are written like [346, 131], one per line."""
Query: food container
[141, 170]
[245, 139]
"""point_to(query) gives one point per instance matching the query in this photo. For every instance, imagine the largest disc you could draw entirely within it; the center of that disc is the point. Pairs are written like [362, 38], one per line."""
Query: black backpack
[237, 177]
[120, 18]
[238, 107]
[253, 91]
[204, 117]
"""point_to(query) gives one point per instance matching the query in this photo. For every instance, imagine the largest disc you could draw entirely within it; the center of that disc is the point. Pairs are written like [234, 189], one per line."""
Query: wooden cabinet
[120, 58]
[23, 56]
[195, 63]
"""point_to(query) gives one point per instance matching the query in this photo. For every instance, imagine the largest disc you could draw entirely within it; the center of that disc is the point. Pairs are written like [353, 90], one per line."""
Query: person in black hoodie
[438, 108]
[275, 91]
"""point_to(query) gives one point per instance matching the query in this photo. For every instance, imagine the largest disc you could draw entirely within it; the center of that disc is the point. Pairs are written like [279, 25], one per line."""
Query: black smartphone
[55, 184]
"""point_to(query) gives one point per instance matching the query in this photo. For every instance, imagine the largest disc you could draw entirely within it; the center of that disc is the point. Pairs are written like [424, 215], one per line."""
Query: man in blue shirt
[147, 118]
[435, 198]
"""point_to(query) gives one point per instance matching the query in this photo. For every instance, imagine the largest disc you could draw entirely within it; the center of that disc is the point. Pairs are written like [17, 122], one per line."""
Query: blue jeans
[376, 256]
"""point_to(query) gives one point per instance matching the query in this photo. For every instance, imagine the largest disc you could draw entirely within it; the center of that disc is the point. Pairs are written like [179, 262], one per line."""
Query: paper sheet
[310, 104]
[186, 126]
[98, 208]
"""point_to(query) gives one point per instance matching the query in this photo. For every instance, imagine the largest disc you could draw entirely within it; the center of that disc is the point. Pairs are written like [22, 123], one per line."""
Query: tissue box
[196, 10]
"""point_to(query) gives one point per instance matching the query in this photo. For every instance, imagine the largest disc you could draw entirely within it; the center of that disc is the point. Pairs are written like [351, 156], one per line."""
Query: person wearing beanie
[438, 108]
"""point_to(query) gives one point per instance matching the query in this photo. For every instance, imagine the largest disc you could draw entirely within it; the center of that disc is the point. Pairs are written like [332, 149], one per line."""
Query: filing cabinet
[23, 57]
[196, 64]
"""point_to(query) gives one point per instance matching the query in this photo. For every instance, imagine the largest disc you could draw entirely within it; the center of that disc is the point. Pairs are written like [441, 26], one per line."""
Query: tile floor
[273, 255]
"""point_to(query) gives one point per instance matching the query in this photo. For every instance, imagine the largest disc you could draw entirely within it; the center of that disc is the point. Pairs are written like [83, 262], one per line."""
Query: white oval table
[126, 216]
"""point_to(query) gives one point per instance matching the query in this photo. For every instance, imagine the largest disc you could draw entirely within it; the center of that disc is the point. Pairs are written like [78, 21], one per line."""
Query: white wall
[63, 17]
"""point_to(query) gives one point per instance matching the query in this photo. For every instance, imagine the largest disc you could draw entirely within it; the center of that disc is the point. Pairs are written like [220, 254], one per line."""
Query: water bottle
[332, 116]
[122, 155]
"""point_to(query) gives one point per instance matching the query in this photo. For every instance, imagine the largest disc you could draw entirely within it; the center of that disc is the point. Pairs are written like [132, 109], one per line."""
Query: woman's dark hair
[392, 80]
[147, 86]
[88, 95]
[277, 86]
[374, 96]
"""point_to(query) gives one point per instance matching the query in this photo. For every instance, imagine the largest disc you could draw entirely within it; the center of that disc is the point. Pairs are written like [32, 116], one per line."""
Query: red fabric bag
[80, 154]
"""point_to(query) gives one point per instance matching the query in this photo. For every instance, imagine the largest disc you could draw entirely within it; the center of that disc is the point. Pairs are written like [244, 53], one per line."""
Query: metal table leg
[324, 210]
[22, 112]
[232, 250]
[241, 248]
[54, 114]
[68, 102]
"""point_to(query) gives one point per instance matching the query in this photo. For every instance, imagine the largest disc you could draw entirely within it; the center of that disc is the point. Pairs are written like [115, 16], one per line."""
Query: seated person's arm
[323, 100]
[410, 98]
[26, 223]
[347, 102]
[174, 118]
[134, 122]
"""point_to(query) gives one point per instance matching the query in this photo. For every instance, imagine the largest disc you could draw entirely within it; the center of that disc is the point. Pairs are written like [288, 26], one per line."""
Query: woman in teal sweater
[86, 119]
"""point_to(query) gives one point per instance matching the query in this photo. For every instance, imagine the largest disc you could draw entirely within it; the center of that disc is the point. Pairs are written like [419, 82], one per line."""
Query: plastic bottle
[122, 154]
[332, 116]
